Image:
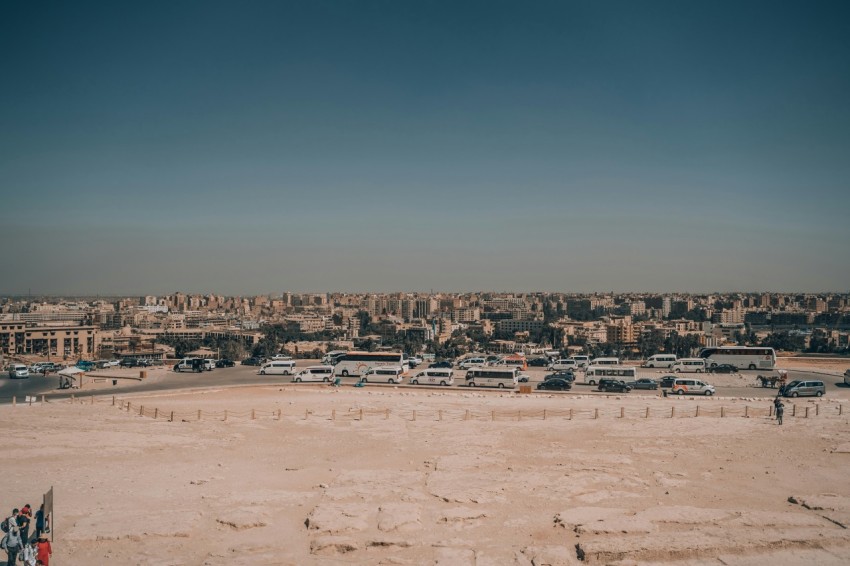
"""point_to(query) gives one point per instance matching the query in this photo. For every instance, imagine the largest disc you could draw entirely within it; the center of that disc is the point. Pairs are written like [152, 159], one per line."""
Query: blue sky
[247, 147]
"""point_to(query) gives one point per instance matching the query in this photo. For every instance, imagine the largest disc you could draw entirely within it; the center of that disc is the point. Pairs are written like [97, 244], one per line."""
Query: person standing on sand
[44, 550]
[39, 521]
[13, 541]
[24, 519]
[780, 410]
[29, 554]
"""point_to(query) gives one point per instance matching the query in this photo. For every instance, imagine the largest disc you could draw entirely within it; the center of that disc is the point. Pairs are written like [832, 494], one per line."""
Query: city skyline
[372, 147]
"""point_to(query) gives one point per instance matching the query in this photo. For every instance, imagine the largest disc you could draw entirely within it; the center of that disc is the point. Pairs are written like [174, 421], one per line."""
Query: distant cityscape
[439, 324]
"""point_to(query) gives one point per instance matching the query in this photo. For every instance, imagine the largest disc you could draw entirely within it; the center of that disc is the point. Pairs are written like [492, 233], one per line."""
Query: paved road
[247, 375]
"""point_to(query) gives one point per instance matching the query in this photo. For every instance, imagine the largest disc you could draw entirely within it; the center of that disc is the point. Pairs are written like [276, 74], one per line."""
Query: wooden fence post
[141, 410]
[770, 411]
[746, 411]
[155, 413]
[622, 412]
[466, 415]
[333, 415]
[199, 414]
[278, 414]
[386, 414]
[672, 411]
[113, 400]
[253, 414]
[722, 412]
[807, 411]
[793, 410]
[92, 399]
[493, 415]
[817, 409]
[172, 417]
[544, 414]
[571, 414]
[519, 416]
[647, 412]
[840, 407]
[595, 413]
[361, 413]
[697, 410]
[414, 414]
[225, 415]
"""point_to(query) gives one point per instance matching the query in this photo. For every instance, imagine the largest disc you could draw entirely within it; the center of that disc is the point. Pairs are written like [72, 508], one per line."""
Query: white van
[605, 362]
[694, 365]
[691, 387]
[563, 364]
[582, 361]
[471, 362]
[433, 376]
[314, 373]
[282, 367]
[18, 371]
[660, 361]
[388, 374]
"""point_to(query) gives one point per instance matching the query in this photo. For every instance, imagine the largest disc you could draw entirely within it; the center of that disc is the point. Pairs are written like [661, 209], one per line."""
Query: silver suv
[800, 388]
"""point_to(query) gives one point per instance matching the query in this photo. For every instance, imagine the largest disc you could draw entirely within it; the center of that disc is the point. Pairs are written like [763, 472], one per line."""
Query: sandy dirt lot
[354, 476]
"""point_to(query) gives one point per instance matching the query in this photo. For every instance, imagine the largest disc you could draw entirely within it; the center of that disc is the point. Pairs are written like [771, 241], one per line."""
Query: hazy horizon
[240, 147]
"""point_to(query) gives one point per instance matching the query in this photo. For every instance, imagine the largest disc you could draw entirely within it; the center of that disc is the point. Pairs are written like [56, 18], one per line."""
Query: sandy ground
[349, 477]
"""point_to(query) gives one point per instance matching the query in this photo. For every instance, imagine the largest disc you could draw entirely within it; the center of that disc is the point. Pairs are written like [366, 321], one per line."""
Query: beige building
[65, 341]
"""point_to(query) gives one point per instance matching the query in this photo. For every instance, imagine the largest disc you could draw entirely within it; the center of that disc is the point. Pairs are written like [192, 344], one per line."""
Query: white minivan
[283, 367]
[563, 364]
[605, 362]
[660, 361]
[471, 362]
[388, 374]
[315, 373]
[693, 365]
[433, 376]
[581, 360]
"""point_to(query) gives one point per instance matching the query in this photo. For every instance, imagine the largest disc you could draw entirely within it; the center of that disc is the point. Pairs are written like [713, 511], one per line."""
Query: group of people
[16, 537]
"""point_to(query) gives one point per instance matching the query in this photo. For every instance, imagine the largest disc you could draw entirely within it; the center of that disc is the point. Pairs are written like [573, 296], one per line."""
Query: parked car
[567, 375]
[444, 364]
[538, 362]
[413, 361]
[723, 368]
[643, 383]
[190, 364]
[667, 381]
[126, 363]
[252, 361]
[85, 365]
[522, 378]
[613, 385]
[471, 362]
[224, 363]
[209, 364]
[556, 384]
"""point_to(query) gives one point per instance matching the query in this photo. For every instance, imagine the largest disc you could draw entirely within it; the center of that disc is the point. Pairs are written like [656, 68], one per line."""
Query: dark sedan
[643, 383]
[667, 381]
[723, 368]
[613, 385]
[555, 384]
[538, 362]
[252, 361]
[224, 363]
[567, 375]
[446, 364]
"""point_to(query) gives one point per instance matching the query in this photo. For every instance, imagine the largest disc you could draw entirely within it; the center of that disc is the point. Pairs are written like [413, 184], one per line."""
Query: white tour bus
[621, 373]
[501, 377]
[332, 357]
[433, 376]
[660, 361]
[357, 363]
[314, 373]
[742, 357]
